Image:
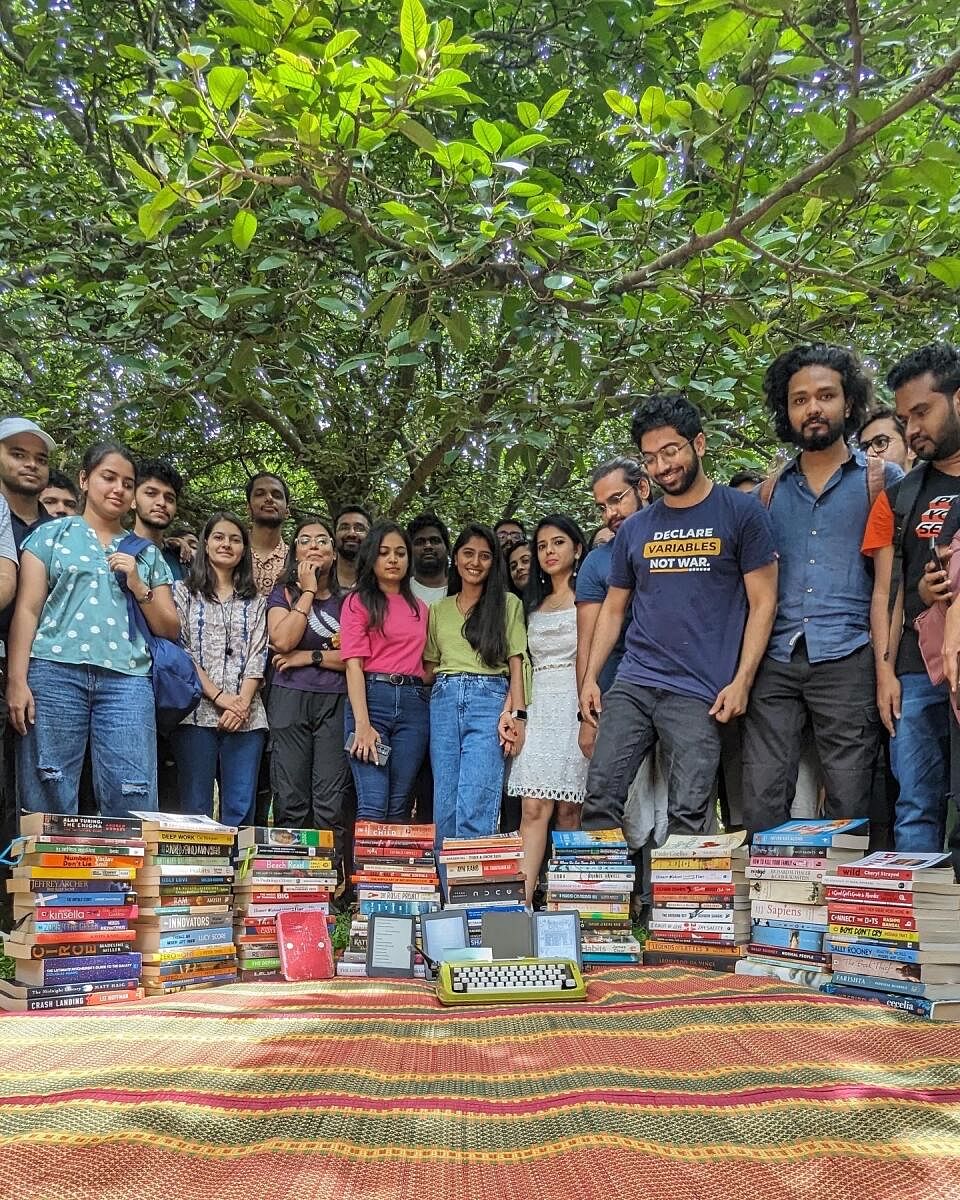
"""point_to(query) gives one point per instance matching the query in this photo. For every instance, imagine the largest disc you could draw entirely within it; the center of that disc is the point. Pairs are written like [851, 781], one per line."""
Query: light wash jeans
[76, 704]
[465, 754]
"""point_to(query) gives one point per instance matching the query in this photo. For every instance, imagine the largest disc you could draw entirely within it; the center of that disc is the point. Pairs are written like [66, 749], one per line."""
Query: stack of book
[395, 872]
[590, 872]
[278, 870]
[185, 924]
[894, 932]
[483, 875]
[700, 914]
[73, 893]
[789, 915]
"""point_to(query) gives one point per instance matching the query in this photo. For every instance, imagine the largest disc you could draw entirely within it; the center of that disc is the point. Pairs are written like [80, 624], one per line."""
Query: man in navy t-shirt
[700, 566]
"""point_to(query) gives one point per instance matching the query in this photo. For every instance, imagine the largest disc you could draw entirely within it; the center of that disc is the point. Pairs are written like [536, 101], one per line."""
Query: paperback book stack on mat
[277, 871]
[395, 874]
[483, 875]
[788, 909]
[591, 873]
[185, 923]
[74, 896]
[701, 912]
[894, 932]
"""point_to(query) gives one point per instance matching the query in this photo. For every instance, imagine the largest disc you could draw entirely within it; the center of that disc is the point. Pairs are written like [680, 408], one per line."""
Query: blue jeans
[465, 754]
[400, 713]
[76, 704]
[920, 758]
[199, 751]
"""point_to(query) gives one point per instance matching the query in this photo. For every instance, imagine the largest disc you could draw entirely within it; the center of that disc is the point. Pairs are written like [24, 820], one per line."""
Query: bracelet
[217, 696]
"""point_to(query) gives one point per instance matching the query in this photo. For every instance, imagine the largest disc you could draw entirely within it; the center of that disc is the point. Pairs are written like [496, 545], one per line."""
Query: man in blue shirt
[699, 569]
[819, 664]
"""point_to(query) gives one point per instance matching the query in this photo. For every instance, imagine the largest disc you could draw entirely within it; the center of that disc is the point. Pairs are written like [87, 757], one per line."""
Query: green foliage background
[433, 256]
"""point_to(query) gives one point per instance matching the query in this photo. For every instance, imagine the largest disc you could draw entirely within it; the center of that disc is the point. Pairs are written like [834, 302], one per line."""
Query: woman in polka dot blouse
[76, 670]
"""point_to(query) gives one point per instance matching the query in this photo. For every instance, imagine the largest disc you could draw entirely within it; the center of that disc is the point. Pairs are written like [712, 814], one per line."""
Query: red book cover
[89, 935]
[689, 889]
[477, 871]
[306, 948]
[85, 913]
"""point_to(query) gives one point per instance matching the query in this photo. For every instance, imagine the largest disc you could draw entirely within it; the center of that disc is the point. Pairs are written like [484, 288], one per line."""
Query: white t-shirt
[429, 595]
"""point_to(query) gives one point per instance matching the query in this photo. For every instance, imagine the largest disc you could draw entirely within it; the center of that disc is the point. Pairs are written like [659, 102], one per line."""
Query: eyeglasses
[614, 501]
[318, 539]
[877, 444]
[358, 528]
[668, 453]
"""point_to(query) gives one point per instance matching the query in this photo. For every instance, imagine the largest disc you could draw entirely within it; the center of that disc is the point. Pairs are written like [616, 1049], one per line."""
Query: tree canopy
[432, 255]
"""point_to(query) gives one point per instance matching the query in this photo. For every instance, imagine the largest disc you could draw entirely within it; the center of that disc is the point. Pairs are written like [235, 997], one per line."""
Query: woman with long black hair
[224, 630]
[383, 629]
[551, 772]
[308, 770]
[476, 645]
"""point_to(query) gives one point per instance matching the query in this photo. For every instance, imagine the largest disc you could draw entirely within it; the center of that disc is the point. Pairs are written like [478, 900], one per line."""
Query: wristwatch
[519, 714]
[317, 658]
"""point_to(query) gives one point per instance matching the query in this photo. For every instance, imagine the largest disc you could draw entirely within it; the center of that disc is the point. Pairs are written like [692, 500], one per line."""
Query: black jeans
[633, 719]
[309, 772]
[840, 698]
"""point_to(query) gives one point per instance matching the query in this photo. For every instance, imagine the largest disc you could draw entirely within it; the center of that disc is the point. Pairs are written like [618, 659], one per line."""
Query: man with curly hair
[818, 665]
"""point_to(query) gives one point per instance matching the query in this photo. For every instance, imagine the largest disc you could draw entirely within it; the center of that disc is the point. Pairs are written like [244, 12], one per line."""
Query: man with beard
[268, 501]
[350, 528]
[24, 471]
[510, 532]
[155, 504]
[700, 567]
[905, 523]
[430, 540]
[818, 665]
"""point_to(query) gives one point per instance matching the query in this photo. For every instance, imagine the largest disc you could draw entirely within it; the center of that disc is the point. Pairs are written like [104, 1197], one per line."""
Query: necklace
[226, 620]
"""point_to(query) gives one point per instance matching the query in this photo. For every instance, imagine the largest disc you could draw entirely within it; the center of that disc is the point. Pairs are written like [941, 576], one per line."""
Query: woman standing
[551, 772]
[476, 646]
[76, 670]
[224, 630]
[383, 628]
[308, 769]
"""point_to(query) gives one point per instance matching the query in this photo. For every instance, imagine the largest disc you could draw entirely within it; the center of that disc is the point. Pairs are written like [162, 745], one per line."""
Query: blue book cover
[813, 926]
[808, 833]
[97, 899]
[88, 970]
[210, 936]
[57, 887]
[908, 987]
[916, 1005]
[589, 839]
[109, 925]
[873, 949]
[787, 937]
[398, 908]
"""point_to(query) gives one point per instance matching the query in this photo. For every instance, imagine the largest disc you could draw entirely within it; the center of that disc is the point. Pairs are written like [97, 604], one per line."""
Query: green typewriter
[509, 980]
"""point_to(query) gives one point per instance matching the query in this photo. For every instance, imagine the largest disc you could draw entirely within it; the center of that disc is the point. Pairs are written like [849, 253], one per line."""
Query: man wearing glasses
[351, 526]
[699, 566]
[880, 436]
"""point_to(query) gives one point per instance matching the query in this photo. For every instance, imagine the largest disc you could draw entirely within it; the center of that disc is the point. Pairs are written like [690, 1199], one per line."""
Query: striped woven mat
[672, 1083]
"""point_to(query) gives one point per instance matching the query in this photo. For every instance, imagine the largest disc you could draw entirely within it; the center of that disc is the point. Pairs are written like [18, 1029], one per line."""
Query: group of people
[370, 664]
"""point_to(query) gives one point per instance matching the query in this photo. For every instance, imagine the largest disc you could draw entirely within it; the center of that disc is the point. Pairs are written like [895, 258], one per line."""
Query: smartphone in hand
[383, 752]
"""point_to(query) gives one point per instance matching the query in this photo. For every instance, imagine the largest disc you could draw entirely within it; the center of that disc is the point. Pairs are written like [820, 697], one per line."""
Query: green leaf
[414, 27]
[149, 181]
[150, 216]
[947, 270]
[528, 114]
[330, 220]
[737, 101]
[558, 283]
[487, 136]
[133, 53]
[653, 104]
[391, 313]
[708, 222]
[827, 132]
[225, 85]
[249, 13]
[419, 134]
[811, 211]
[308, 130]
[553, 104]
[728, 34]
[937, 176]
[624, 106]
[340, 42]
[527, 142]
[244, 227]
[458, 327]
[648, 170]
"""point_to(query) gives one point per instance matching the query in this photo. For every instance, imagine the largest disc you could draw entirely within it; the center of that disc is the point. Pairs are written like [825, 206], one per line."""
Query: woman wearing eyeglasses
[308, 771]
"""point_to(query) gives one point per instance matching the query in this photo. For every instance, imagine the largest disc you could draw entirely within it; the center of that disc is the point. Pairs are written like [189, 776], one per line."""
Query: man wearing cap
[24, 472]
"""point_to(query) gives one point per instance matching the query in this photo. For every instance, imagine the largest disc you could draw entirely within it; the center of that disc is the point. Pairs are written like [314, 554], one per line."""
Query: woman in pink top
[383, 630]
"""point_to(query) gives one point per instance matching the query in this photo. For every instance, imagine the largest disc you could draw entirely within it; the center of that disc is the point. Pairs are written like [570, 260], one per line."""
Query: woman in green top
[476, 641]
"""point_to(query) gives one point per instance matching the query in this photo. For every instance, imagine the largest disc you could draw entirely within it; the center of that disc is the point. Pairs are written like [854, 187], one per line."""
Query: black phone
[383, 751]
[934, 554]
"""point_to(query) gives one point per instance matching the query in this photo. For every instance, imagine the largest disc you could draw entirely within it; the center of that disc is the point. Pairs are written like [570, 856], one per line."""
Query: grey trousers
[840, 698]
[633, 719]
[309, 772]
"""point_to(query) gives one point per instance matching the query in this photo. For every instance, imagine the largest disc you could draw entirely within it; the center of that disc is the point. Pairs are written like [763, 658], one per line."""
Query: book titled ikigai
[893, 932]
[395, 873]
[277, 871]
[74, 897]
[185, 921]
[788, 913]
[700, 914]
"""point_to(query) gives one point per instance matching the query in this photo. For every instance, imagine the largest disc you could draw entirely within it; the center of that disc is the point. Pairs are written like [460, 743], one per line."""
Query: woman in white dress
[550, 773]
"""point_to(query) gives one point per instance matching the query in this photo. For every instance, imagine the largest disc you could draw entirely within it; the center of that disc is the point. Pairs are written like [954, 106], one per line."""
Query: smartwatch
[317, 658]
